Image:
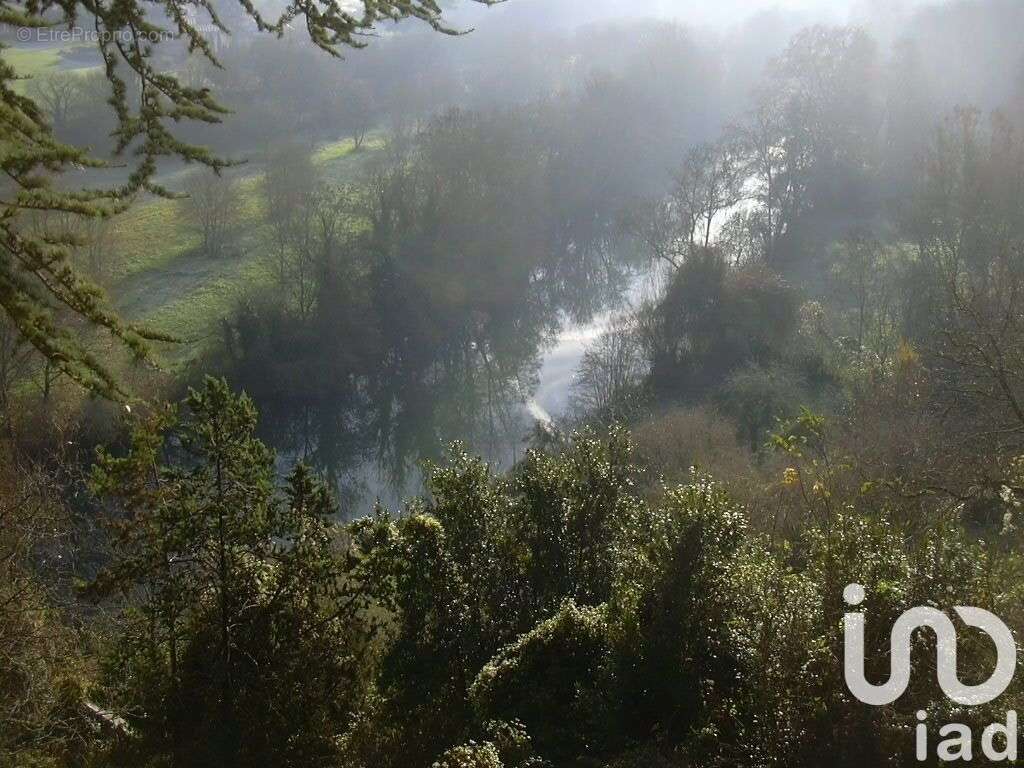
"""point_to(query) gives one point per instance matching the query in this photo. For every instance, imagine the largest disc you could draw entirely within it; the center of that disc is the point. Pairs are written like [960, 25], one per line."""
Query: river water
[561, 360]
[550, 402]
[558, 369]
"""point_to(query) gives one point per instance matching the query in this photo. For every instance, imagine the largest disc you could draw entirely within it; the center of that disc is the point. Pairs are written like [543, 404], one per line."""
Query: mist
[536, 384]
[596, 114]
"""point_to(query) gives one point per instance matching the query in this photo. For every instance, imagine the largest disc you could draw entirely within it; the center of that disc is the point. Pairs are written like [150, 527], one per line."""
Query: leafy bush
[556, 679]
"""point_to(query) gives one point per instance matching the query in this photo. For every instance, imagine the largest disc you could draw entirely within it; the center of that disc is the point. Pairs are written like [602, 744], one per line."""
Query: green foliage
[671, 607]
[41, 665]
[480, 565]
[710, 644]
[558, 680]
[39, 287]
[470, 756]
[551, 598]
[567, 612]
[550, 616]
[238, 643]
[578, 505]
[755, 398]
[714, 319]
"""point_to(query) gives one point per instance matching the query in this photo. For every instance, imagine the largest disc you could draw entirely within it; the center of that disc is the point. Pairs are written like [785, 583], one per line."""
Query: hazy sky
[719, 13]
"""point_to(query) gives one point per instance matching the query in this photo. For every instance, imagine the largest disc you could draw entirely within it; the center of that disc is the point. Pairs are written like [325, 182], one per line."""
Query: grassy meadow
[163, 281]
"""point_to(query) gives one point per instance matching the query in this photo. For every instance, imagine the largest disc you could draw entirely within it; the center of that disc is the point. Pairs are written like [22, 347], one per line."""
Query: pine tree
[241, 641]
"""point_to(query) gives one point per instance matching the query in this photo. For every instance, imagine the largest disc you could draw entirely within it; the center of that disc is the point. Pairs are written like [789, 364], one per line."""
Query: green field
[159, 278]
[35, 61]
[30, 62]
[155, 272]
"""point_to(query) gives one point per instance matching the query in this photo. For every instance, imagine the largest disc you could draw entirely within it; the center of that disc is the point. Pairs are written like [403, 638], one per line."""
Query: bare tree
[709, 184]
[91, 240]
[305, 217]
[985, 343]
[212, 208]
[95, 247]
[610, 370]
[359, 111]
[58, 93]
[963, 310]
[739, 237]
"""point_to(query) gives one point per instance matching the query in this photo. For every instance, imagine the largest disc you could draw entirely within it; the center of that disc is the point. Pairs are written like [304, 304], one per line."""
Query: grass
[159, 277]
[338, 150]
[193, 316]
[30, 62]
[156, 273]
[149, 236]
[36, 61]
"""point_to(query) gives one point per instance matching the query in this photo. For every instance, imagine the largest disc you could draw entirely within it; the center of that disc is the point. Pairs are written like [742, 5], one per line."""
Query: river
[561, 360]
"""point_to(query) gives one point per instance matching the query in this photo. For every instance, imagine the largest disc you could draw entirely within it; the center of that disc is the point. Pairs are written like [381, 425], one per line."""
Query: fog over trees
[503, 385]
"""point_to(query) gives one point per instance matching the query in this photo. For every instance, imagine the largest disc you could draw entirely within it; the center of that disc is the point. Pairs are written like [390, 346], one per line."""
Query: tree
[866, 276]
[212, 207]
[766, 160]
[811, 130]
[612, 367]
[712, 320]
[306, 216]
[462, 196]
[481, 564]
[239, 641]
[35, 276]
[41, 670]
[707, 186]
[58, 94]
[289, 184]
[355, 108]
[963, 314]
[90, 240]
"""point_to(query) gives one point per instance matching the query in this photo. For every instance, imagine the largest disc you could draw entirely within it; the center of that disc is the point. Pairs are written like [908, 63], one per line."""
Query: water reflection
[449, 296]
